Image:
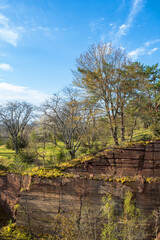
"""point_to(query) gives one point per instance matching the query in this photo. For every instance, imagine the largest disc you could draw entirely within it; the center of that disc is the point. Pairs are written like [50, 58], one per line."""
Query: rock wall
[46, 198]
[40, 200]
[137, 159]
[10, 185]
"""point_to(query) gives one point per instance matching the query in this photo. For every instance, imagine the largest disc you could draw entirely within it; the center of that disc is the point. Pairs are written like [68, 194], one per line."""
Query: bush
[156, 130]
[27, 156]
[9, 144]
[17, 165]
[1, 140]
[134, 222]
[22, 143]
[61, 155]
[3, 168]
[144, 137]
[83, 150]
[22, 160]
[51, 161]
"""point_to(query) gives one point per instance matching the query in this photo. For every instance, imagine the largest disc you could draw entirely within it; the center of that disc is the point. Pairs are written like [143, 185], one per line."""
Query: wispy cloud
[5, 67]
[136, 7]
[144, 50]
[152, 51]
[137, 52]
[13, 92]
[8, 32]
[40, 28]
[149, 43]
[121, 6]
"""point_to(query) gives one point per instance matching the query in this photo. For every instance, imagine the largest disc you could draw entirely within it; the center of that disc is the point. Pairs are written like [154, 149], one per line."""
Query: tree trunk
[113, 129]
[115, 136]
[132, 130]
[16, 145]
[122, 127]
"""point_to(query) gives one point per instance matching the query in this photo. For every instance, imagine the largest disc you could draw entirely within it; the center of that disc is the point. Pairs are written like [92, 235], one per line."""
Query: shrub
[17, 165]
[61, 155]
[1, 140]
[156, 130]
[83, 150]
[130, 225]
[27, 156]
[22, 143]
[3, 168]
[9, 144]
[144, 137]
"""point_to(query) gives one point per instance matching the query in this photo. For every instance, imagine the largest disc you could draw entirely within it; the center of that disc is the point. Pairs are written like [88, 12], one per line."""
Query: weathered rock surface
[141, 160]
[42, 199]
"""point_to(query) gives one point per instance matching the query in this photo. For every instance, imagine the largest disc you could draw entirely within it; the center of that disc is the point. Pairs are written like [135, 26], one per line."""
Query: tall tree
[130, 79]
[105, 73]
[15, 116]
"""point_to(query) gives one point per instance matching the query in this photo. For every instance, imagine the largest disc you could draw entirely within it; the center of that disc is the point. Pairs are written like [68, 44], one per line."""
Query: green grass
[6, 155]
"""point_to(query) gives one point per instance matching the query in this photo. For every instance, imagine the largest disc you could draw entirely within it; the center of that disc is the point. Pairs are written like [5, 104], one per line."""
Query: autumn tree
[14, 117]
[109, 77]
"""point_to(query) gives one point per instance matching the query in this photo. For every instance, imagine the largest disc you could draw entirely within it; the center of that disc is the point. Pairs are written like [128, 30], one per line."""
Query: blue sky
[40, 40]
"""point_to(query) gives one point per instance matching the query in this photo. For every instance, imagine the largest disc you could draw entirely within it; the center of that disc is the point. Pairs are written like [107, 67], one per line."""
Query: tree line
[110, 97]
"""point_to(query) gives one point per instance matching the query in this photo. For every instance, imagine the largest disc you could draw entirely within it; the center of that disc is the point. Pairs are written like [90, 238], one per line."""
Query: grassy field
[6, 156]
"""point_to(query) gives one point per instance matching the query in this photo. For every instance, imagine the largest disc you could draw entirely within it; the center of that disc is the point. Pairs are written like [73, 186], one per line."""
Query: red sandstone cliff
[41, 199]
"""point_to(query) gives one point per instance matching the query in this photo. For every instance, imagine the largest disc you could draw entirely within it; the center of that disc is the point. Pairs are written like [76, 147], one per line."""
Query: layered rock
[141, 160]
[40, 200]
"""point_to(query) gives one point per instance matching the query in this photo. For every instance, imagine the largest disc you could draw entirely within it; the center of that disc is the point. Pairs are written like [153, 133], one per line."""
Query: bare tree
[15, 116]
[67, 117]
[40, 134]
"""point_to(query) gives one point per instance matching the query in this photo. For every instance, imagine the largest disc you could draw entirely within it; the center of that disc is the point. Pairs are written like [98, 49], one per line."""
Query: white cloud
[8, 33]
[137, 6]
[9, 92]
[137, 52]
[122, 29]
[149, 43]
[152, 51]
[9, 36]
[5, 67]
[142, 51]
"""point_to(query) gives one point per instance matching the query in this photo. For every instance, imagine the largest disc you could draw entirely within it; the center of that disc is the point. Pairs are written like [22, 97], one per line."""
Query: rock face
[9, 192]
[141, 160]
[80, 198]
